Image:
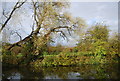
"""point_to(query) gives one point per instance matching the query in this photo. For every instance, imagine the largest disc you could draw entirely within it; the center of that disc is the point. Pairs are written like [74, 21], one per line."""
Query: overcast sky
[95, 12]
[91, 12]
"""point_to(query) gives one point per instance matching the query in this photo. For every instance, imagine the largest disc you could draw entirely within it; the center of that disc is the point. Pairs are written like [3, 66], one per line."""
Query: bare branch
[20, 42]
[62, 34]
[4, 13]
[35, 13]
[20, 4]
[33, 28]
[36, 17]
[9, 17]
[15, 32]
[56, 30]
[19, 35]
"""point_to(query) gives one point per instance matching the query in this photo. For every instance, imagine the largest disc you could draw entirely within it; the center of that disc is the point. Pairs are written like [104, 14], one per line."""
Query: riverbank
[62, 59]
[72, 59]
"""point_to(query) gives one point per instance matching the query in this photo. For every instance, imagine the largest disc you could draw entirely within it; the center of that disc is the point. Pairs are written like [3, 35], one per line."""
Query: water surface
[108, 71]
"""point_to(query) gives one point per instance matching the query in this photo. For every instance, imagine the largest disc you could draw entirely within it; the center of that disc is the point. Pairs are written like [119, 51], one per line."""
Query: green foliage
[17, 55]
[12, 59]
[40, 45]
[68, 59]
[114, 45]
[56, 60]
[6, 52]
[95, 48]
[99, 48]
[45, 53]
[28, 48]
[75, 49]
[99, 32]
[20, 55]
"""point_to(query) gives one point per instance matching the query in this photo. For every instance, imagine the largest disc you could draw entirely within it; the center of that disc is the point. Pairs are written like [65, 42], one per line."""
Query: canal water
[107, 71]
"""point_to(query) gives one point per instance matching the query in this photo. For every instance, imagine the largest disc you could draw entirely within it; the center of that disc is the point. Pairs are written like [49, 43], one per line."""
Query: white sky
[91, 12]
[65, 0]
[95, 12]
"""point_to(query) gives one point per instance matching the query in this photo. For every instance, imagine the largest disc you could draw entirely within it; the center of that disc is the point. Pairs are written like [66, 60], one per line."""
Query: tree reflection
[109, 71]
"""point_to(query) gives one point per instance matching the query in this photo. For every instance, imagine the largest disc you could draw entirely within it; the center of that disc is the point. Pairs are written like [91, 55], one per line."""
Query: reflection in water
[15, 76]
[82, 72]
[73, 75]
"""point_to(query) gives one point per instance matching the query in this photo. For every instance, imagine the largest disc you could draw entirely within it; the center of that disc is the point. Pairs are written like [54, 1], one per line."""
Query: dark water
[109, 71]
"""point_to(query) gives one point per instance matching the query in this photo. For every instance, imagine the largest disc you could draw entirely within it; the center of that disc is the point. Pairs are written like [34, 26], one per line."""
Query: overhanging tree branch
[41, 18]
[56, 30]
[19, 35]
[4, 13]
[62, 34]
[17, 5]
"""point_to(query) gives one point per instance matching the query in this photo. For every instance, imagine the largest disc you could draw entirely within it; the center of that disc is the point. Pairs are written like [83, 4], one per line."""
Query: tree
[98, 32]
[114, 45]
[49, 19]
[95, 40]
